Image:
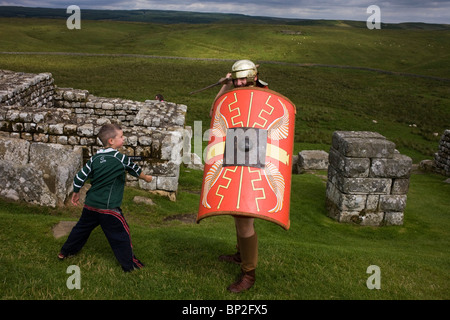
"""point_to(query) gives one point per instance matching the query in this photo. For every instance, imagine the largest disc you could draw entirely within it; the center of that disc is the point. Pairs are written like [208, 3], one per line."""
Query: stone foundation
[442, 157]
[368, 179]
[33, 109]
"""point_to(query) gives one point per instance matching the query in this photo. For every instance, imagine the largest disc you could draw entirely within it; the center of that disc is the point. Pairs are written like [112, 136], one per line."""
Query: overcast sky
[392, 11]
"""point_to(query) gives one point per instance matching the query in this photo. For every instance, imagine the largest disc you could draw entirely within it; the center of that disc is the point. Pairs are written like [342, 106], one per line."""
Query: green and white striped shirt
[107, 172]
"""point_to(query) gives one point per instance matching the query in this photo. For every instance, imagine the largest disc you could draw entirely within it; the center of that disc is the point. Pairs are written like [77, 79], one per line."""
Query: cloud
[392, 11]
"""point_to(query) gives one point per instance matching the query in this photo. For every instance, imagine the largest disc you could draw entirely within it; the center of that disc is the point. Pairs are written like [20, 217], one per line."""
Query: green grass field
[317, 258]
[327, 99]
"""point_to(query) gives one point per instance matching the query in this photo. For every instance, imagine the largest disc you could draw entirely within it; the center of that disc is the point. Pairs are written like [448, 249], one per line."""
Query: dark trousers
[116, 231]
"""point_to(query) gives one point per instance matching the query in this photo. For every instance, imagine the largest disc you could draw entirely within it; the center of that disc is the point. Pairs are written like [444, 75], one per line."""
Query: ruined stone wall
[38, 173]
[442, 157]
[368, 179]
[32, 108]
[26, 89]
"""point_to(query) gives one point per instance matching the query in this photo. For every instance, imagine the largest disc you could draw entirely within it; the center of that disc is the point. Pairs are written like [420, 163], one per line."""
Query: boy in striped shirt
[107, 172]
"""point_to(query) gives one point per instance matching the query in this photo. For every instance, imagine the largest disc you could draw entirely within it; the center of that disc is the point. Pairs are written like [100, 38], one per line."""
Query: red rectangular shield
[248, 163]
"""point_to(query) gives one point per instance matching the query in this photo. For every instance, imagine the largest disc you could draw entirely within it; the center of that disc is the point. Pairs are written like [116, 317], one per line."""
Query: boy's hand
[75, 199]
[145, 177]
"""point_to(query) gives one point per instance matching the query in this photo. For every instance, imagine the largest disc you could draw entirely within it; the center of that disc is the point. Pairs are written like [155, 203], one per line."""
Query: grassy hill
[327, 98]
[317, 258]
[172, 16]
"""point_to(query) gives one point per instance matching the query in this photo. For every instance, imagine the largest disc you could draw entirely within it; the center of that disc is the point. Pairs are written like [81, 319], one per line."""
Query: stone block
[346, 202]
[144, 152]
[372, 202]
[400, 186]
[152, 185]
[107, 106]
[167, 183]
[164, 168]
[42, 137]
[359, 185]
[57, 128]
[392, 203]
[362, 218]
[349, 167]
[57, 165]
[312, 160]
[6, 126]
[70, 129]
[397, 167]
[86, 130]
[25, 183]
[362, 144]
[14, 150]
[131, 140]
[172, 146]
[145, 141]
[393, 218]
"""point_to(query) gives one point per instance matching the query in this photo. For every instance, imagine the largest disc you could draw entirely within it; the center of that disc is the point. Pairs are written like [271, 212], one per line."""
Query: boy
[106, 171]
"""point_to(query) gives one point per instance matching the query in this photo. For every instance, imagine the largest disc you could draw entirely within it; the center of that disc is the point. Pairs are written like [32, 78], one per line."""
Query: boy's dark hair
[108, 131]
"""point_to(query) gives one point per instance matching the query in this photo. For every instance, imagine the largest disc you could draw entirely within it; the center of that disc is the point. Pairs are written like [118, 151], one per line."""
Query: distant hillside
[173, 17]
[155, 16]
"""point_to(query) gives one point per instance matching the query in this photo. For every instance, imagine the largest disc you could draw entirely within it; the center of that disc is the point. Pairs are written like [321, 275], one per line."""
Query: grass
[327, 99]
[317, 258]
[415, 51]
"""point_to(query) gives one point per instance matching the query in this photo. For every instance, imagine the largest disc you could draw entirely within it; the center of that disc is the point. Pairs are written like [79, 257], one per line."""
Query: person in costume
[243, 74]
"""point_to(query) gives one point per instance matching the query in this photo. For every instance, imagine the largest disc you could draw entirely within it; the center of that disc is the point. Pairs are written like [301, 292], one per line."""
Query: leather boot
[245, 282]
[249, 255]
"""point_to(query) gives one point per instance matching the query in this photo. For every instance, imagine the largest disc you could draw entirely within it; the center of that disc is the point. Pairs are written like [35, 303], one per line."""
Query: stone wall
[442, 157]
[368, 179]
[26, 89]
[33, 109]
[35, 172]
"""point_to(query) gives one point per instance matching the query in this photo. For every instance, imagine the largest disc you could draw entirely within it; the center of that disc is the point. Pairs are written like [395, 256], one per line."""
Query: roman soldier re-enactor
[243, 74]
[248, 162]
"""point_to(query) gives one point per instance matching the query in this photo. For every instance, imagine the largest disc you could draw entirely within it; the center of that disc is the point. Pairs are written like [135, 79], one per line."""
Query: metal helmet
[244, 69]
